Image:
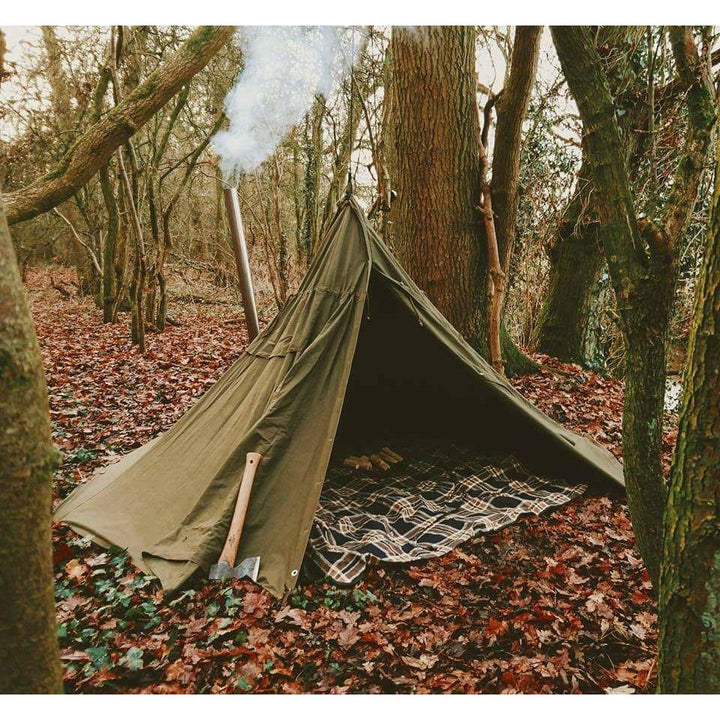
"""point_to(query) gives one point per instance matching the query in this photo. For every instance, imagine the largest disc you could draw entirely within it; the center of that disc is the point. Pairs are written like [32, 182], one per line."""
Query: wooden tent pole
[237, 233]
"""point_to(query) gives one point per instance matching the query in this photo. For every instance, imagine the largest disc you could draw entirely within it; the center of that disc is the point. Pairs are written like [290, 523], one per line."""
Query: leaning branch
[95, 147]
[511, 110]
[496, 277]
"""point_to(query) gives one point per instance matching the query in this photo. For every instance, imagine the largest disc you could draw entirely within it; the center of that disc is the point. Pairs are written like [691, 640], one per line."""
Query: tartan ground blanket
[422, 507]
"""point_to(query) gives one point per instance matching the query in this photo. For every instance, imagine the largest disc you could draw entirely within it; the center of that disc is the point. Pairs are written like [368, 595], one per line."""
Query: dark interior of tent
[410, 392]
[405, 383]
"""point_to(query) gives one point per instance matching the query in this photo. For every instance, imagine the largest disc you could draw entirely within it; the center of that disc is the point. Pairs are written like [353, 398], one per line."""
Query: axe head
[221, 571]
[249, 567]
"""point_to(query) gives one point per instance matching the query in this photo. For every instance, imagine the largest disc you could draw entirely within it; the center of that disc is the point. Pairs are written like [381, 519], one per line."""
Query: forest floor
[558, 603]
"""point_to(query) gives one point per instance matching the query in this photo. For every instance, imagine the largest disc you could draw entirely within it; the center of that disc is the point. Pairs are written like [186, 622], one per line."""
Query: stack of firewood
[380, 460]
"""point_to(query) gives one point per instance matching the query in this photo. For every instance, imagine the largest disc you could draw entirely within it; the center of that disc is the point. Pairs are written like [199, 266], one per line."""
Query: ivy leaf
[133, 659]
[213, 609]
[99, 656]
[148, 608]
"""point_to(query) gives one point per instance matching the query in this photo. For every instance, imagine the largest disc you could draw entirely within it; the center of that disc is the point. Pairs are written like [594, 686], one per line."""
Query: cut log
[352, 462]
[378, 463]
[388, 457]
[393, 454]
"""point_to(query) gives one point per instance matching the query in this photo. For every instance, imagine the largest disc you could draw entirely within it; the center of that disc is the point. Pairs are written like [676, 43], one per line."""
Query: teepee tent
[359, 350]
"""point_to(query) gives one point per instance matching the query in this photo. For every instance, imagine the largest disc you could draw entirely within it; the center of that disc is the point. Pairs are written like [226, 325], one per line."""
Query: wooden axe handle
[229, 552]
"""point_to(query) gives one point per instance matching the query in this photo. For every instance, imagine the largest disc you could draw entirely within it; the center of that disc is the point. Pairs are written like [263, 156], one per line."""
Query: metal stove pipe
[232, 207]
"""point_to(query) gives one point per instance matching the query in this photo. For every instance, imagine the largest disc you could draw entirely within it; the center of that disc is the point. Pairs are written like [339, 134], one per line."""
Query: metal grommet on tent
[294, 573]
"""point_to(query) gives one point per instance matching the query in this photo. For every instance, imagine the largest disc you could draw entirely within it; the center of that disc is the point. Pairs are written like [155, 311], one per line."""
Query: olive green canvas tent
[358, 350]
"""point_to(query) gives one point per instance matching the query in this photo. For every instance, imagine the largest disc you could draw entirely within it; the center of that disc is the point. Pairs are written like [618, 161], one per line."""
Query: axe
[225, 566]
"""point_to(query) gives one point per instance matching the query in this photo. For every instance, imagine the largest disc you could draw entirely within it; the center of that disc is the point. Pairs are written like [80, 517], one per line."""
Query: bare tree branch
[80, 241]
[95, 147]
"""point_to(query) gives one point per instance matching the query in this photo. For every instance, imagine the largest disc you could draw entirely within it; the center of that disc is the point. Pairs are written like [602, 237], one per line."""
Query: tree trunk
[220, 235]
[357, 93]
[109, 284]
[313, 169]
[576, 260]
[577, 257]
[380, 208]
[109, 249]
[642, 257]
[122, 258]
[298, 174]
[495, 274]
[384, 181]
[29, 653]
[435, 168]
[642, 423]
[165, 249]
[156, 251]
[137, 290]
[511, 109]
[282, 243]
[434, 165]
[95, 147]
[689, 612]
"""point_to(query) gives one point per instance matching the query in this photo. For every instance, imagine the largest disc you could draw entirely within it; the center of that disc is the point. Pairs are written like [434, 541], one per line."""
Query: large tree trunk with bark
[434, 163]
[689, 613]
[642, 257]
[29, 652]
[435, 166]
[576, 260]
[95, 147]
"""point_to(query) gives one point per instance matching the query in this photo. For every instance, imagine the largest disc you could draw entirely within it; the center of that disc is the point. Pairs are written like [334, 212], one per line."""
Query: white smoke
[284, 69]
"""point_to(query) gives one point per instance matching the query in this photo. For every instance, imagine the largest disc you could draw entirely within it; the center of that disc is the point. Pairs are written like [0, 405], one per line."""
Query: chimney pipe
[232, 206]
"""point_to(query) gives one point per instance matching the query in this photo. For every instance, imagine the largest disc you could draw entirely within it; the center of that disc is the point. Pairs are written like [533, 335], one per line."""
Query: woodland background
[53, 93]
[551, 191]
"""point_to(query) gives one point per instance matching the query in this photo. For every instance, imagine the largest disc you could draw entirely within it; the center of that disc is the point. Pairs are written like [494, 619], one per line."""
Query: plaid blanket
[422, 507]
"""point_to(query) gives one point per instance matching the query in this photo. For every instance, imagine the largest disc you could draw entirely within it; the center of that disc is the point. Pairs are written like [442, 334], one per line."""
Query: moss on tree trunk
[576, 259]
[642, 256]
[689, 643]
[29, 654]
